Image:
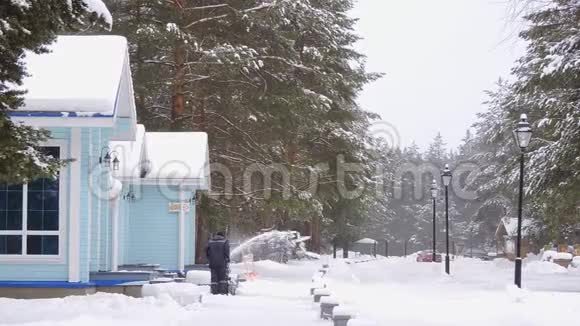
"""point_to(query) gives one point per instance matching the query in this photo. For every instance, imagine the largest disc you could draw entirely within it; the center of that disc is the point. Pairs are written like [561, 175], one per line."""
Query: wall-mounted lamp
[110, 156]
[193, 197]
[130, 195]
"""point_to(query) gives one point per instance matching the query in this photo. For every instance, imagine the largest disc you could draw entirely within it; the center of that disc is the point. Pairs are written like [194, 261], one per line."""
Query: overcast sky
[438, 56]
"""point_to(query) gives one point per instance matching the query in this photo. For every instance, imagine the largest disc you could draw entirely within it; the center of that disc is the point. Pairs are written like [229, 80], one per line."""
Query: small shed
[506, 235]
[366, 246]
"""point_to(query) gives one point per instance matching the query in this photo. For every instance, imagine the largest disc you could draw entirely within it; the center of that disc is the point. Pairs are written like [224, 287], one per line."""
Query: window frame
[62, 216]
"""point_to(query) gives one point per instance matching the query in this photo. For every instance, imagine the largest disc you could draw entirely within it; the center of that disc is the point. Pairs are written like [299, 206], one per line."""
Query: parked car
[426, 256]
[478, 254]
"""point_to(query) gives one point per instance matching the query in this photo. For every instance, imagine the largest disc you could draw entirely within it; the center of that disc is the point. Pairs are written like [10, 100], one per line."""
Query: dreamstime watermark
[411, 180]
[387, 132]
[351, 179]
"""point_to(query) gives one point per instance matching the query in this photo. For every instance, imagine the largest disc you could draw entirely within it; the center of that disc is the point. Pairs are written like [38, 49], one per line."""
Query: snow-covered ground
[399, 291]
[394, 291]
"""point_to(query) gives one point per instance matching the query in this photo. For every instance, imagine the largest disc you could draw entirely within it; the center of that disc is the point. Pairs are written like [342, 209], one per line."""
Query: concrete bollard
[318, 284]
[319, 293]
[327, 305]
[314, 288]
[341, 316]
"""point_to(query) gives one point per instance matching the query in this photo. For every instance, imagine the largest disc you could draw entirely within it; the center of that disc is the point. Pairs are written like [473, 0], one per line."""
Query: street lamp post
[434, 197]
[522, 136]
[446, 177]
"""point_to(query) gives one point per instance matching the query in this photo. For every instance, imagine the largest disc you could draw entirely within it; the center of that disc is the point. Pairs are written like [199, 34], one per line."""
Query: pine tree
[273, 83]
[29, 25]
[437, 152]
[546, 88]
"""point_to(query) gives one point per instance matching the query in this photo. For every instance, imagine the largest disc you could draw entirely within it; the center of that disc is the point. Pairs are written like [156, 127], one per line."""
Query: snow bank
[198, 277]
[97, 310]
[576, 262]
[312, 255]
[503, 263]
[544, 267]
[362, 322]
[548, 255]
[183, 293]
[515, 293]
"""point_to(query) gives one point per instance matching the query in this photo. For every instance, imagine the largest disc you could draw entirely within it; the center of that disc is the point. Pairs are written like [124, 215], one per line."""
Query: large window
[30, 216]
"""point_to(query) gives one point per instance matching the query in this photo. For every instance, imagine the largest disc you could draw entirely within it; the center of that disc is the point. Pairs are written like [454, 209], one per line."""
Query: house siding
[153, 236]
[124, 214]
[96, 146]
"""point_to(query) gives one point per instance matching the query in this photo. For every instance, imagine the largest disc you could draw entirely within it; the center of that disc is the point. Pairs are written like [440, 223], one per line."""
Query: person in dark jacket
[218, 256]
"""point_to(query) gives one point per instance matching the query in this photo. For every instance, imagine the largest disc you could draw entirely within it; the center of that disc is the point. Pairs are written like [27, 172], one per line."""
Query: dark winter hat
[221, 234]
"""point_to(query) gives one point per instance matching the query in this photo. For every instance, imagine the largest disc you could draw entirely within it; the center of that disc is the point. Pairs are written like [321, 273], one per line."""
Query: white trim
[24, 258]
[181, 256]
[193, 230]
[75, 208]
[72, 122]
[25, 219]
[99, 216]
[107, 225]
[90, 200]
[115, 235]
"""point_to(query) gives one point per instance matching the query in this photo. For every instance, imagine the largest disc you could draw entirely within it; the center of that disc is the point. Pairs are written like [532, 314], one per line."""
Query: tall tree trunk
[312, 229]
[316, 243]
[202, 232]
[179, 58]
[178, 97]
[308, 232]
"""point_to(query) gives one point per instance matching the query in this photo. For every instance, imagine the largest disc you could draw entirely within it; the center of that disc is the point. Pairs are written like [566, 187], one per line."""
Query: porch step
[124, 276]
[140, 267]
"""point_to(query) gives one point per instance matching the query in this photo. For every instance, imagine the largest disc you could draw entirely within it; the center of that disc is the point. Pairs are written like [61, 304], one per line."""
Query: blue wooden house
[128, 195]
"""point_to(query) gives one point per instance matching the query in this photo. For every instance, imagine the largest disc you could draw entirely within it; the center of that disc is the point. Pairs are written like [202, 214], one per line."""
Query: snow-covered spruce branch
[233, 125]
[246, 11]
[235, 81]
[158, 62]
[223, 5]
[286, 61]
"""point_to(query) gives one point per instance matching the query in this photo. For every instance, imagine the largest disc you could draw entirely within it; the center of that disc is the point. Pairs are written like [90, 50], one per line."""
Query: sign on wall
[177, 207]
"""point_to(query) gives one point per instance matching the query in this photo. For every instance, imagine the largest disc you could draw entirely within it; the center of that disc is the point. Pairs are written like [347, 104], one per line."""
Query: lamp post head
[434, 189]
[523, 133]
[446, 176]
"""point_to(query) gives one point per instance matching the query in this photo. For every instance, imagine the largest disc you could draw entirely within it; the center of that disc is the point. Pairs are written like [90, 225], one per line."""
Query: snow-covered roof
[164, 157]
[178, 155]
[366, 241]
[511, 226]
[80, 77]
